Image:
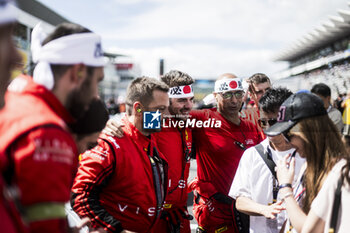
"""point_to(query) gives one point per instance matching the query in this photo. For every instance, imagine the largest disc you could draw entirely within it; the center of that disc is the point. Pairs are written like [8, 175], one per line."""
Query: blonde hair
[323, 148]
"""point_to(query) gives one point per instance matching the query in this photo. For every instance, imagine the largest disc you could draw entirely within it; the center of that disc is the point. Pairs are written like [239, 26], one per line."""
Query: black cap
[298, 106]
[94, 119]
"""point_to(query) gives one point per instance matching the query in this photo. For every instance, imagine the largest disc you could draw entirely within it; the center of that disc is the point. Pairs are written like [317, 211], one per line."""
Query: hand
[83, 223]
[271, 211]
[114, 128]
[285, 170]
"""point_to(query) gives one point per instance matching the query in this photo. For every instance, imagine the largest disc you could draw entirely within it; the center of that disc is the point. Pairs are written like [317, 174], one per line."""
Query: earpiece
[139, 110]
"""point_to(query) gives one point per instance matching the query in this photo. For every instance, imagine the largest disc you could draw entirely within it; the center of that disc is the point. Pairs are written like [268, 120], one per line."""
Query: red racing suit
[218, 151]
[176, 145]
[41, 154]
[120, 184]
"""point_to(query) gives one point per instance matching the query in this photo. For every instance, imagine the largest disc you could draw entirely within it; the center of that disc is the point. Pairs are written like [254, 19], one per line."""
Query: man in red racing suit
[175, 142]
[40, 152]
[121, 183]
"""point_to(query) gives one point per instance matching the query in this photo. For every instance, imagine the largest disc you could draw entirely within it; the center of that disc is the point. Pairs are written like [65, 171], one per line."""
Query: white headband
[8, 12]
[232, 84]
[84, 48]
[181, 91]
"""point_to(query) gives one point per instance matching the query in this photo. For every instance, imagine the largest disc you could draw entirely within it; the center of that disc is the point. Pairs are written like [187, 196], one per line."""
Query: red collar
[135, 134]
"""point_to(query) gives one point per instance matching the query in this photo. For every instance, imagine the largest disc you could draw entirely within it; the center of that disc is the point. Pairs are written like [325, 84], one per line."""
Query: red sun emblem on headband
[233, 84]
[187, 89]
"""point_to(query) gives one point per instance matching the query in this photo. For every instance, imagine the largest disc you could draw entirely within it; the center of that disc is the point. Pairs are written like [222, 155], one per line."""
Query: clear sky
[204, 38]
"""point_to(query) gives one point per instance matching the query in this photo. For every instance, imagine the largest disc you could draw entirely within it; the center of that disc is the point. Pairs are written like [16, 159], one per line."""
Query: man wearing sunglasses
[255, 187]
[218, 151]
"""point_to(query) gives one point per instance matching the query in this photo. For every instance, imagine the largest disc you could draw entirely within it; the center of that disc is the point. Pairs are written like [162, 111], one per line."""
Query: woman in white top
[304, 122]
[319, 217]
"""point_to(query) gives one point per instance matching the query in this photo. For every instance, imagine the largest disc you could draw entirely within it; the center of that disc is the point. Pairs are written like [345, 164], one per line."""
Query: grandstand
[322, 55]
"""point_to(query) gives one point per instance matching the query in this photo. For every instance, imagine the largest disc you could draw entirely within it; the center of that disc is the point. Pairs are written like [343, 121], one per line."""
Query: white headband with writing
[8, 12]
[228, 84]
[80, 48]
[181, 91]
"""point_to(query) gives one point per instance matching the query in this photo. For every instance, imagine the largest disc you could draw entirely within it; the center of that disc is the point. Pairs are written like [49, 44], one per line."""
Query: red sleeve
[199, 114]
[96, 167]
[45, 162]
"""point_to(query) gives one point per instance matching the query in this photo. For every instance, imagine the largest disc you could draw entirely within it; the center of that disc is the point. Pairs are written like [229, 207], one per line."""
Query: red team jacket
[218, 152]
[116, 186]
[173, 143]
[40, 153]
[176, 145]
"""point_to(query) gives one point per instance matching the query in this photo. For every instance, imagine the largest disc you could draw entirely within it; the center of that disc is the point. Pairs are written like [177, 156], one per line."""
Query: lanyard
[187, 156]
[187, 152]
[158, 175]
[274, 180]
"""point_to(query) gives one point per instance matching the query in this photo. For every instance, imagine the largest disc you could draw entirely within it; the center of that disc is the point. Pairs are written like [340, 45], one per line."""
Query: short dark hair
[321, 89]
[177, 78]
[273, 98]
[256, 79]
[65, 29]
[141, 89]
[94, 119]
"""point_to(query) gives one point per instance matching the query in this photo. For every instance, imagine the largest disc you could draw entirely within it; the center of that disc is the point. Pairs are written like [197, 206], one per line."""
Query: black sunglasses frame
[270, 121]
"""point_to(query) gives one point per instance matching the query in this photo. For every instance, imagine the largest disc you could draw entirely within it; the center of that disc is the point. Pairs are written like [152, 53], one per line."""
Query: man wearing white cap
[41, 153]
[218, 153]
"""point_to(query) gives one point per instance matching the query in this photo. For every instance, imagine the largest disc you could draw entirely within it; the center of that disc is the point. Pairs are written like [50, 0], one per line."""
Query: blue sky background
[201, 37]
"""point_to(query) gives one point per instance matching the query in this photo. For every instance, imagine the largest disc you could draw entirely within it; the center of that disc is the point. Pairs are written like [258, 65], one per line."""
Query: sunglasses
[264, 122]
[228, 95]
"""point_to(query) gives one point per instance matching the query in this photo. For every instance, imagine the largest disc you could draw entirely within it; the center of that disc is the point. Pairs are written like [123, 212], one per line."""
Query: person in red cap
[219, 150]
[36, 142]
[122, 182]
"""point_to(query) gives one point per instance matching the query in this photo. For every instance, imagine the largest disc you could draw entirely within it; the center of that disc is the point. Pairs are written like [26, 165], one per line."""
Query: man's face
[267, 119]
[258, 90]
[79, 99]
[9, 58]
[159, 102]
[181, 107]
[230, 102]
